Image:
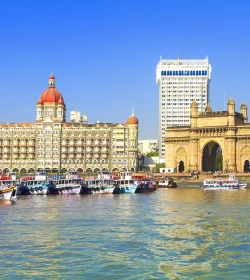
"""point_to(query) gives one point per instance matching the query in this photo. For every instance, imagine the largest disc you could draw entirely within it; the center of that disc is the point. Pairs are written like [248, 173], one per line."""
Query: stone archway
[246, 166]
[181, 166]
[181, 159]
[210, 157]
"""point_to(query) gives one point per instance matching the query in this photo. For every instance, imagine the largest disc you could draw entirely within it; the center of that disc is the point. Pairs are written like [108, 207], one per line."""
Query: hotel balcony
[64, 149]
[104, 150]
[97, 143]
[23, 150]
[96, 150]
[6, 149]
[31, 149]
[15, 156]
[96, 155]
[89, 142]
[23, 156]
[31, 156]
[89, 149]
[132, 149]
[64, 156]
[71, 156]
[6, 143]
[79, 143]
[88, 155]
[79, 149]
[15, 143]
[23, 143]
[72, 143]
[104, 156]
[64, 143]
[72, 150]
[79, 155]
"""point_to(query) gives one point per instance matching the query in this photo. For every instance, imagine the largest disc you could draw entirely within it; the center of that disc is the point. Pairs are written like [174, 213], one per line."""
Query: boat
[7, 192]
[103, 184]
[167, 183]
[36, 184]
[225, 183]
[124, 183]
[69, 183]
[8, 185]
[145, 187]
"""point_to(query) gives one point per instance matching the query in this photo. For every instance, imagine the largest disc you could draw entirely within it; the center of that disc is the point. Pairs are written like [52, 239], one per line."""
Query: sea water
[182, 233]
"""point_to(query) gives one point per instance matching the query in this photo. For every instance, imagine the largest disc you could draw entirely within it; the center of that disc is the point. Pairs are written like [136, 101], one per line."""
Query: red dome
[51, 94]
[52, 77]
[132, 120]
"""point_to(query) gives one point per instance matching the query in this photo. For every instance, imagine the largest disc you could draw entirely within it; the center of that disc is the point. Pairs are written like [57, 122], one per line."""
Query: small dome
[243, 105]
[51, 94]
[231, 101]
[60, 101]
[132, 120]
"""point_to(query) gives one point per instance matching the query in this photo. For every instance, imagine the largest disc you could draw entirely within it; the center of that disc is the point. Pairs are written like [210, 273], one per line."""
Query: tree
[158, 166]
[153, 154]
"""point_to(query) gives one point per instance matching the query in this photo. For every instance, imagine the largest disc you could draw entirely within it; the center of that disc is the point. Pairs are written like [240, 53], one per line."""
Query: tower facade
[181, 81]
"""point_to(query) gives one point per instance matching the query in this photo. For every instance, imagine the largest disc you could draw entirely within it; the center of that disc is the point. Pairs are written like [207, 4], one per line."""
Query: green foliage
[219, 162]
[158, 166]
[153, 154]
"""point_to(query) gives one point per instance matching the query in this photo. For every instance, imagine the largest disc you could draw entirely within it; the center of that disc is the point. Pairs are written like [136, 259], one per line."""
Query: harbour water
[182, 233]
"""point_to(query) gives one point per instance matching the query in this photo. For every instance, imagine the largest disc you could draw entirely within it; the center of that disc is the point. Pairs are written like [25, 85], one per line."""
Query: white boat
[227, 183]
[33, 184]
[167, 183]
[7, 193]
[8, 185]
[124, 183]
[69, 183]
[103, 184]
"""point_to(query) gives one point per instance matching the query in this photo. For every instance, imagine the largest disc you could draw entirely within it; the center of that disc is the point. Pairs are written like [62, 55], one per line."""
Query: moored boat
[145, 187]
[167, 183]
[69, 183]
[124, 183]
[103, 184]
[7, 193]
[227, 183]
[36, 184]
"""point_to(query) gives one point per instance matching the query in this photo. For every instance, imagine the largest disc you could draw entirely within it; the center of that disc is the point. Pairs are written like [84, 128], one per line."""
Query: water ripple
[170, 234]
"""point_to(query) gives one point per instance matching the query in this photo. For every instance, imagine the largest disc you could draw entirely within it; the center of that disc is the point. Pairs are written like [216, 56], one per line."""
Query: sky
[104, 54]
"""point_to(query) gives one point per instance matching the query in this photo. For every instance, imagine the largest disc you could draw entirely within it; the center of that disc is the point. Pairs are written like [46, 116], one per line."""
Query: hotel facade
[181, 81]
[51, 144]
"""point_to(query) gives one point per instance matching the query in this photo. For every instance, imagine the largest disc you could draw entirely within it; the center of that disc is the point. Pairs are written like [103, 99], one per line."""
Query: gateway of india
[51, 144]
[194, 147]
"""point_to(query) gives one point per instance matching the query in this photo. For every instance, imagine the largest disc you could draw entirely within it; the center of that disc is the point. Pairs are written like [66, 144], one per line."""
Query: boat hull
[8, 194]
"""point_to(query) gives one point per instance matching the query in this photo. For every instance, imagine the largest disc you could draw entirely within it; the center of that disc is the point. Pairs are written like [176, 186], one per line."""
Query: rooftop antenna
[132, 111]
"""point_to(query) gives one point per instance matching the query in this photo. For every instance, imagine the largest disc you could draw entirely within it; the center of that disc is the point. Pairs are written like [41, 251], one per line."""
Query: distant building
[181, 81]
[75, 116]
[147, 146]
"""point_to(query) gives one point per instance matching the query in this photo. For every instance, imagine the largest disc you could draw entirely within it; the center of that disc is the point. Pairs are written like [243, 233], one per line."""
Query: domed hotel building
[54, 145]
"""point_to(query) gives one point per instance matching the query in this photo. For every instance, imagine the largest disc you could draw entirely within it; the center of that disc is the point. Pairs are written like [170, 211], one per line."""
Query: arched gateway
[214, 141]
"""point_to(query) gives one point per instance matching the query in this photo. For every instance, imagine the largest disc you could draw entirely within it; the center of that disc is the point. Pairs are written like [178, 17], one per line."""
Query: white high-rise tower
[180, 82]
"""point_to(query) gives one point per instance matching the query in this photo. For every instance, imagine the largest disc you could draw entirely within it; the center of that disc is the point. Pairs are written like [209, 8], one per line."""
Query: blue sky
[104, 54]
